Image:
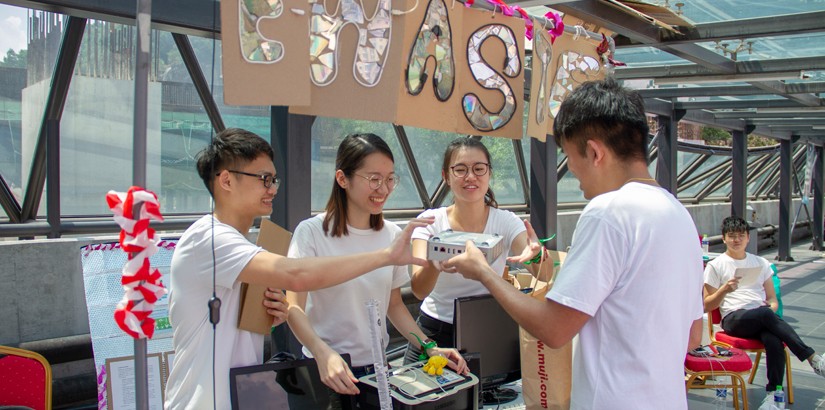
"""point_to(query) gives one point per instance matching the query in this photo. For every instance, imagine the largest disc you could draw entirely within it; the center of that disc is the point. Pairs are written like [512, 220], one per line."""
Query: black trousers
[763, 324]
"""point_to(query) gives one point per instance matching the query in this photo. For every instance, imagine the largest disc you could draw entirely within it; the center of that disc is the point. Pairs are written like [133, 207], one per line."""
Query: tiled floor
[803, 296]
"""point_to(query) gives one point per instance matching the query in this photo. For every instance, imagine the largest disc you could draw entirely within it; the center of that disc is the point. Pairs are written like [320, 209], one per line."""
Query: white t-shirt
[449, 286]
[339, 314]
[721, 270]
[635, 266]
[190, 383]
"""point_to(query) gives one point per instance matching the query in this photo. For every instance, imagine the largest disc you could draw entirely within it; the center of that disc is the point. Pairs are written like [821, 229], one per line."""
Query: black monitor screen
[293, 384]
[482, 326]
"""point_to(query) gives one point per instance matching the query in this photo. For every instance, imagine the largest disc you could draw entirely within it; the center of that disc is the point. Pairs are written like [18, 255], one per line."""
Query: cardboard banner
[432, 67]
[265, 52]
[575, 62]
[492, 88]
[355, 57]
[541, 83]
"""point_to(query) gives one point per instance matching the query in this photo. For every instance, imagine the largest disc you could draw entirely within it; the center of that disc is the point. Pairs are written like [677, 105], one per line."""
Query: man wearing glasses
[749, 311]
[213, 258]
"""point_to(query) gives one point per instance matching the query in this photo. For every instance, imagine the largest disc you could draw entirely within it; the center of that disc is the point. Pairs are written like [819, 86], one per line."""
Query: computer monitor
[291, 384]
[482, 326]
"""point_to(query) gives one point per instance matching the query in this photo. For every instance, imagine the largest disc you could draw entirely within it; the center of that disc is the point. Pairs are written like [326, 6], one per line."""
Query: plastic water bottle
[779, 398]
[721, 401]
[705, 245]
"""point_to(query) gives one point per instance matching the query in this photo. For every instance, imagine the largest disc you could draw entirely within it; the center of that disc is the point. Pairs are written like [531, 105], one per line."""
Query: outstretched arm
[307, 274]
[531, 314]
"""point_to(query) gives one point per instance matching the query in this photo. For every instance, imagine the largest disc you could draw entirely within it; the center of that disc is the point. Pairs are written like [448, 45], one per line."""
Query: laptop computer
[291, 384]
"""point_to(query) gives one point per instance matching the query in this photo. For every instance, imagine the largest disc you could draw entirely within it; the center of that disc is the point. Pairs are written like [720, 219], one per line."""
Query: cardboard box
[253, 316]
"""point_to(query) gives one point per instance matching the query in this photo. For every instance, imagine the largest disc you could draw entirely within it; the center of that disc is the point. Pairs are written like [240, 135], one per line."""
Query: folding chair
[699, 369]
[26, 378]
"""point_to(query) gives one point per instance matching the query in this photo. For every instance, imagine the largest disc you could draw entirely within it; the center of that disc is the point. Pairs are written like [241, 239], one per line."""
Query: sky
[12, 28]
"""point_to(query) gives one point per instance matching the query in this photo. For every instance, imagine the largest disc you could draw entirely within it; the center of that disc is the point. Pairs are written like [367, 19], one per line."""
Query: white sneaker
[818, 363]
[767, 402]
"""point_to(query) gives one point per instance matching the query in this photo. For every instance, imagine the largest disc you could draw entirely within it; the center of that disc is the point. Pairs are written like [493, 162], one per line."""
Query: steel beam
[53, 177]
[753, 114]
[668, 134]
[818, 197]
[293, 161]
[786, 121]
[544, 189]
[785, 201]
[9, 202]
[730, 90]
[739, 176]
[196, 17]
[198, 79]
[778, 88]
[58, 92]
[743, 68]
[788, 24]
[735, 104]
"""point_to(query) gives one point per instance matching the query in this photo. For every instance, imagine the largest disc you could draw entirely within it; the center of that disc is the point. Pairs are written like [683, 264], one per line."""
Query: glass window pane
[505, 181]
[327, 134]
[694, 189]
[30, 43]
[428, 146]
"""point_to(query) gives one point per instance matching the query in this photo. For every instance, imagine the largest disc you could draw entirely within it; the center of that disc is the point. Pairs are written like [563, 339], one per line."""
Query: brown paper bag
[546, 374]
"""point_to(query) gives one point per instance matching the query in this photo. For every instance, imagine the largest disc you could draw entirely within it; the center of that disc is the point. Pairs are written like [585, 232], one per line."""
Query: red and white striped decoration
[140, 281]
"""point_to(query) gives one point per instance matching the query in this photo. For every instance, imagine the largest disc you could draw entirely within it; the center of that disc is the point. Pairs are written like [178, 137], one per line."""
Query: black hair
[469, 142]
[231, 148]
[605, 111]
[734, 224]
[351, 154]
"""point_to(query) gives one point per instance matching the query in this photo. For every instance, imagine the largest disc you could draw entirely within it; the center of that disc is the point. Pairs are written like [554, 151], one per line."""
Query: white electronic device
[413, 386]
[450, 243]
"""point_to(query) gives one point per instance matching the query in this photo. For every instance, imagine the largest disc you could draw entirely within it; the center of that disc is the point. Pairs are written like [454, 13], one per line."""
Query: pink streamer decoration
[141, 282]
[528, 22]
[101, 389]
[558, 26]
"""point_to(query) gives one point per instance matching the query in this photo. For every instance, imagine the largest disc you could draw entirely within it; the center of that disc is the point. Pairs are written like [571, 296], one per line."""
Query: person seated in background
[750, 311]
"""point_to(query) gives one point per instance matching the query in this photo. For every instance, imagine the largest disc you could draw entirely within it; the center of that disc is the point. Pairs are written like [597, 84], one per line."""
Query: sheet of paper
[748, 276]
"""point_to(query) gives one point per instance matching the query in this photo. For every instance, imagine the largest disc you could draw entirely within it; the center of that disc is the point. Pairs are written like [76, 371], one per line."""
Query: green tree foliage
[716, 136]
[14, 60]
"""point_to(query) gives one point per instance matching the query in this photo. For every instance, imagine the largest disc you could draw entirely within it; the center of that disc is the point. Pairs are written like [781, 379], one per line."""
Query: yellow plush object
[435, 365]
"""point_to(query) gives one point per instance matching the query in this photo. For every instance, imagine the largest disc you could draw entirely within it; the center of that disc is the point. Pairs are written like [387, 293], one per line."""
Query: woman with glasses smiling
[334, 320]
[466, 169]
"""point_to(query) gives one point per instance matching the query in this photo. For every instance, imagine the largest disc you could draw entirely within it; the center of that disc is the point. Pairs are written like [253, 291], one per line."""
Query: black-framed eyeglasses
[267, 179]
[479, 169]
[376, 181]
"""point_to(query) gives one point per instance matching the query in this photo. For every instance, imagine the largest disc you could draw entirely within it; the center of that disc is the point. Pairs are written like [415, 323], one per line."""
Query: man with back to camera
[237, 169]
[630, 284]
[749, 311]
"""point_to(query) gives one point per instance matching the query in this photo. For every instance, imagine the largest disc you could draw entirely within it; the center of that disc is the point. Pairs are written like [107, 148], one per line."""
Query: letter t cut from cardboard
[253, 316]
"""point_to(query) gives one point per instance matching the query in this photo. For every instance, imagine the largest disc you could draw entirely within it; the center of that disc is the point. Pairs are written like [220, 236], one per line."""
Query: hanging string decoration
[133, 211]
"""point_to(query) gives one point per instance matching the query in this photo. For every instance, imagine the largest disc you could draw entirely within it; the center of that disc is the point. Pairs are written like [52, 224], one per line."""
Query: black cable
[214, 304]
